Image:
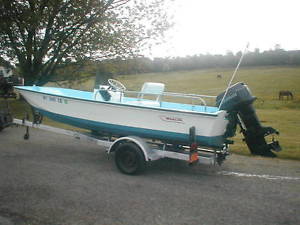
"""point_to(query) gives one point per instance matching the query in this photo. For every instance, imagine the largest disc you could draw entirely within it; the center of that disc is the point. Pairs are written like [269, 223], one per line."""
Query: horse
[288, 95]
[219, 76]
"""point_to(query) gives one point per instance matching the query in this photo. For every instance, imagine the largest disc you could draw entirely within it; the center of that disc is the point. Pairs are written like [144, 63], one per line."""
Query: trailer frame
[133, 153]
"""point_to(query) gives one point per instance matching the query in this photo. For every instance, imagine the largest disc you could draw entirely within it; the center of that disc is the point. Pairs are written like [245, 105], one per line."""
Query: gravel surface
[57, 180]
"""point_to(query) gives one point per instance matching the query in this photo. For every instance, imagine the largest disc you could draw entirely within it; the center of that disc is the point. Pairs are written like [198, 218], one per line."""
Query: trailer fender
[141, 143]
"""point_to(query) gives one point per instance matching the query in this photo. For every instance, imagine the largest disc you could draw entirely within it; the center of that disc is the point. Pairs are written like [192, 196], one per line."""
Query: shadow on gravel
[176, 167]
[8, 217]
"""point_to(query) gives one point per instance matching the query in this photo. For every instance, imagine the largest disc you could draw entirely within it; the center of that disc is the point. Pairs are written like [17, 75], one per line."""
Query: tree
[40, 35]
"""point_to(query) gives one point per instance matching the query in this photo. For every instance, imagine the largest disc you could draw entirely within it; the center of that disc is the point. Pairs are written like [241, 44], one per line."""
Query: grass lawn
[264, 82]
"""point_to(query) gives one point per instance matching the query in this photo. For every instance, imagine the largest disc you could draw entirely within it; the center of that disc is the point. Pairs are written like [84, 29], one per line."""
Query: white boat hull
[122, 119]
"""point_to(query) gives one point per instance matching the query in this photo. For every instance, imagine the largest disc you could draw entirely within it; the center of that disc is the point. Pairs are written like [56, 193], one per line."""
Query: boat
[149, 113]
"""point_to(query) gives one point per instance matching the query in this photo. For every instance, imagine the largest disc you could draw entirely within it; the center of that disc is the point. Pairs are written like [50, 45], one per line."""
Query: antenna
[233, 75]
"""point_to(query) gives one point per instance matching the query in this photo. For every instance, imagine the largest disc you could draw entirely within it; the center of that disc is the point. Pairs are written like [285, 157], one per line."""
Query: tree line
[137, 65]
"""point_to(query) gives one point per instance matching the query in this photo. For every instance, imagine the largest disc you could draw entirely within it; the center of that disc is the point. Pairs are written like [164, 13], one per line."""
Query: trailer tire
[130, 159]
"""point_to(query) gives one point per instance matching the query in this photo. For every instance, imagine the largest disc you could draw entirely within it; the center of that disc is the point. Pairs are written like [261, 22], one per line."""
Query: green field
[264, 82]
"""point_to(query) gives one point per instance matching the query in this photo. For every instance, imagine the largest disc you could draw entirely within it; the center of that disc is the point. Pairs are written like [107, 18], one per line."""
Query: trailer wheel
[130, 159]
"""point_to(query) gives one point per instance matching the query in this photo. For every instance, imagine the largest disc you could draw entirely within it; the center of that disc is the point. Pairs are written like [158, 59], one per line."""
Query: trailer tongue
[238, 102]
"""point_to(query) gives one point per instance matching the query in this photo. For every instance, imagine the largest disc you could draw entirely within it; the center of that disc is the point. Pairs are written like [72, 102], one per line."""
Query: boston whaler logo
[172, 119]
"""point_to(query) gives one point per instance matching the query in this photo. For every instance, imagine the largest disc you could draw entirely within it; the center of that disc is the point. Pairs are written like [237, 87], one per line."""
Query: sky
[219, 26]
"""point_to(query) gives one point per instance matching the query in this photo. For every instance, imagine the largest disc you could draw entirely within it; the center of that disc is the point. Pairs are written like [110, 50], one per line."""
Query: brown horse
[288, 95]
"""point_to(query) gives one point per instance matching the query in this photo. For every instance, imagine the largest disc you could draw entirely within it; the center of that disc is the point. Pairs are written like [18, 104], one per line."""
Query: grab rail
[174, 94]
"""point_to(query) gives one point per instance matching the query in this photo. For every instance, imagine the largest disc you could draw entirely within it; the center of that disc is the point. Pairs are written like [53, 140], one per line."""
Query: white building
[6, 72]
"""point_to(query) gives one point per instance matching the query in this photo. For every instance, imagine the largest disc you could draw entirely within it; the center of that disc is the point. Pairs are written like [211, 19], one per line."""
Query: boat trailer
[132, 153]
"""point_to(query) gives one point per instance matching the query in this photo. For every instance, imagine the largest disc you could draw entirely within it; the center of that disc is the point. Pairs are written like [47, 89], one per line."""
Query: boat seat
[152, 89]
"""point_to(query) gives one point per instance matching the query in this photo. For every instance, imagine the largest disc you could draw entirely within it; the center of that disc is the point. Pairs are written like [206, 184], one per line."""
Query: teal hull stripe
[216, 141]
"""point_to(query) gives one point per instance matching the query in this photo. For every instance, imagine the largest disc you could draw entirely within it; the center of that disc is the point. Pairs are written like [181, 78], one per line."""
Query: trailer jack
[37, 119]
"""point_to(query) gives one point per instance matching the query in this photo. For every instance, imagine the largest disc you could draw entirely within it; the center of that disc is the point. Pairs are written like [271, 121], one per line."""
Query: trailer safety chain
[37, 116]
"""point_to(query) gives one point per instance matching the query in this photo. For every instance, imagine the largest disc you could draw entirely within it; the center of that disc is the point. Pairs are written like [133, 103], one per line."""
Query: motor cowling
[238, 102]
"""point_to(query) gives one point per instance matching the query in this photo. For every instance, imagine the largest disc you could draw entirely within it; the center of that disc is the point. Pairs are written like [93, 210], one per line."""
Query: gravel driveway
[56, 180]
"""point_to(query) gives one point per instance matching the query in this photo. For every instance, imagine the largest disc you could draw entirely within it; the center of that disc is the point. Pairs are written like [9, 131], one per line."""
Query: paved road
[56, 180]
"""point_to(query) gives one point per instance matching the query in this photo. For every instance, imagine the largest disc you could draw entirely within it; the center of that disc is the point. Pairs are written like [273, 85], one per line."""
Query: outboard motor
[238, 102]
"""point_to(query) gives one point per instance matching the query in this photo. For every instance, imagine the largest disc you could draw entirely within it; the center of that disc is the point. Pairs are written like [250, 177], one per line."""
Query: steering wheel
[117, 85]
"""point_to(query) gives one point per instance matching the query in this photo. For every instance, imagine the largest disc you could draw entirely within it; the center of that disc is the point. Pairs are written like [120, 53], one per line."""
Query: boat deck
[90, 96]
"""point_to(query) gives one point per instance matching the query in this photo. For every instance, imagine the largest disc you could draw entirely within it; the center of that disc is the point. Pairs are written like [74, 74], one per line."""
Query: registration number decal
[55, 99]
